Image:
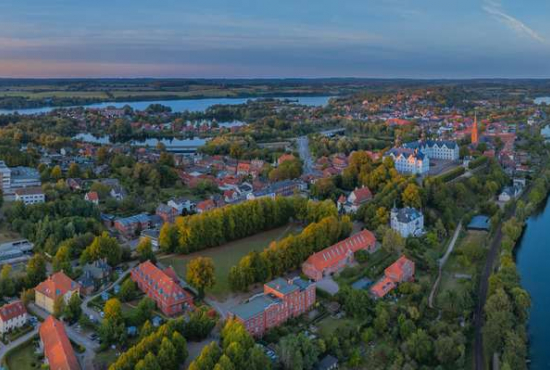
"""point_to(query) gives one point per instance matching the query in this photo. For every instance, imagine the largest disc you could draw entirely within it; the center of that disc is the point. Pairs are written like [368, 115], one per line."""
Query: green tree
[168, 238]
[36, 270]
[62, 260]
[73, 310]
[7, 286]
[145, 251]
[411, 196]
[74, 171]
[56, 173]
[200, 274]
[393, 242]
[127, 291]
[167, 355]
[103, 246]
[149, 362]
[58, 306]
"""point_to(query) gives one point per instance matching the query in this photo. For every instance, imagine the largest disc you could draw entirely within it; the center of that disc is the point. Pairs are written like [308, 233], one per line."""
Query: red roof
[362, 195]
[92, 196]
[382, 287]
[400, 269]
[165, 281]
[206, 205]
[332, 255]
[285, 157]
[57, 347]
[12, 310]
[56, 285]
[397, 122]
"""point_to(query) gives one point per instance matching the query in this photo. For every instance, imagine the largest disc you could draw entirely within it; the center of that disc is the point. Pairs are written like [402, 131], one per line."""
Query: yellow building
[54, 286]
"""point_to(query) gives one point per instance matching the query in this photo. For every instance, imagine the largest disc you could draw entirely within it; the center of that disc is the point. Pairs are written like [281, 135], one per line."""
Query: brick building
[400, 271]
[338, 256]
[54, 286]
[162, 287]
[281, 300]
[58, 352]
[12, 315]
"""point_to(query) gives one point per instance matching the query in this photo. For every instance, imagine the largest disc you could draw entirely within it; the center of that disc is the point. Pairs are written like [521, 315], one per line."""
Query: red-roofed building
[356, 199]
[397, 122]
[336, 257]
[243, 168]
[162, 287]
[56, 345]
[12, 315]
[53, 287]
[205, 205]
[398, 272]
[285, 157]
[92, 197]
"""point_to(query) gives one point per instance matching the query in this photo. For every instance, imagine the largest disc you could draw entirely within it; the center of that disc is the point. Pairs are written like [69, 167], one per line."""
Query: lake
[170, 144]
[193, 105]
[533, 256]
[542, 99]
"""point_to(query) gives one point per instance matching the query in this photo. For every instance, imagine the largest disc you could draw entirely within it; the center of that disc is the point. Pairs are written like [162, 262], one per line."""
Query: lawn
[23, 358]
[228, 255]
[330, 324]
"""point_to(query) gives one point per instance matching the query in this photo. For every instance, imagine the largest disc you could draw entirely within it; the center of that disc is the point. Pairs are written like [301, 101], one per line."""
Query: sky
[274, 39]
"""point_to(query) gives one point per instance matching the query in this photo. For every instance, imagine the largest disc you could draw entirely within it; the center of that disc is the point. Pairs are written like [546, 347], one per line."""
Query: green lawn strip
[228, 255]
[23, 357]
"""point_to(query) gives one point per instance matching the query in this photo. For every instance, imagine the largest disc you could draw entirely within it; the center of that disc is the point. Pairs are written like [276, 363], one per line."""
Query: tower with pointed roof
[475, 135]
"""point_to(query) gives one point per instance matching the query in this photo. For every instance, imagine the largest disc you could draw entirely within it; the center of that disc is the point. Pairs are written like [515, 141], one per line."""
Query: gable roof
[163, 280]
[397, 268]
[362, 195]
[12, 310]
[382, 287]
[56, 285]
[337, 252]
[92, 196]
[57, 347]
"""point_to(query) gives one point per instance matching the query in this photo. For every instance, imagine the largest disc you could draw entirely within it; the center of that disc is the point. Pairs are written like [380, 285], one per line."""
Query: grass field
[328, 325]
[23, 358]
[228, 255]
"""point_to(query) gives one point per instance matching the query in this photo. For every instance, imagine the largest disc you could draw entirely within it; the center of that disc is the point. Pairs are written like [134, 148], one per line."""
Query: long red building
[162, 287]
[281, 300]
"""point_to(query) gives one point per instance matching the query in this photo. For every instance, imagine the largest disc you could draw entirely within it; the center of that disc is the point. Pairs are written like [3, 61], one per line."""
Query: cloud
[494, 9]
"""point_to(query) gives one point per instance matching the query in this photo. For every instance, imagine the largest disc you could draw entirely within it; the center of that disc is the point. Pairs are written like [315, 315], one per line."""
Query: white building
[436, 149]
[409, 161]
[5, 173]
[33, 195]
[12, 315]
[407, 221]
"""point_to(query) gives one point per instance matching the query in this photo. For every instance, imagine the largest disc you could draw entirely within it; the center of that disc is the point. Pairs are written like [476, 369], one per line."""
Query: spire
[475, 138]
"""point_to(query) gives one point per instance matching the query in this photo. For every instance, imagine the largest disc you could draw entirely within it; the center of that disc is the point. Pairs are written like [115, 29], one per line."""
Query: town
[372, 229]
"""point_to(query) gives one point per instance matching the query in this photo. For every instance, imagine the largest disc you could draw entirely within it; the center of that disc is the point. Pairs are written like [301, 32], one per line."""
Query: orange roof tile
[56, 285]
[12, 310]
[382, 287]
[57, 347]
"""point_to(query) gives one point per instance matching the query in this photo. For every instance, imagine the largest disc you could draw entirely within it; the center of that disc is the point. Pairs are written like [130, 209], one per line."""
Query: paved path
[22, 339]
[305, 155]
[442, 262]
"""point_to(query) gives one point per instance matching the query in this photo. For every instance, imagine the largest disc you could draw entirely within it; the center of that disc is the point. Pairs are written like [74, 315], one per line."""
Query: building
[436, 149]
[407, 221]
[475, 133]
[511, 192]
[53, 287]
[94, 275]
[153, 235]
[92, 197]
[283, 188]
[355, 199]
[181, 204]
[17, 178]
[327, 363]
[30, 195]
[409, 161]
[167, 213]
[163, 287]
[334, 258]
[285, 157]
[12, 315]
[130, 226]
[58, 352]
[281, 300]
[15, 251]
[400, 271]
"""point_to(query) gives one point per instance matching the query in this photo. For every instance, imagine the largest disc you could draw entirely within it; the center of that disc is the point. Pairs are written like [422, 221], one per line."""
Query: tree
[58, 306]
[167, 355]
[36, 270]
[200, 274]
[127, 290]
[103, 246]
[393, 242]
[74, 171]
[7, 286]
[73, 310]
[62, 260]
[419, 345]
[145, 309]
[411, 196]
[168, 237]
[180, 345]
[145, 251]
[112, 329]
[149, 362]
[56, 173]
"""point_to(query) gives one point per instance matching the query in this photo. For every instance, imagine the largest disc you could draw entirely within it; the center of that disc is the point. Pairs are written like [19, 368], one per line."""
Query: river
[193, 105]
[533, 256]
[542, 99]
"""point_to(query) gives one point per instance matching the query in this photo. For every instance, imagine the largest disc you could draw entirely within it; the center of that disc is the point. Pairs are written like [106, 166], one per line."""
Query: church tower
[475, 137]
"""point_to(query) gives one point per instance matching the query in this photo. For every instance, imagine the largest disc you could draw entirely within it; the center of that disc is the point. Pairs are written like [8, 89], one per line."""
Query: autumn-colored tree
[411, 196]
[145, 250]
[56, 173]
[200, 274]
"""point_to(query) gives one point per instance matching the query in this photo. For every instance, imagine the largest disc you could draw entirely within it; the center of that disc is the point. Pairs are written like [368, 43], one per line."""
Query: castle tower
[475, 135]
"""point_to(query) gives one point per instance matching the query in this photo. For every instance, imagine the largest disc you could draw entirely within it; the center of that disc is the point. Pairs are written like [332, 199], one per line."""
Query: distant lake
[542, 99]
[192, 105]
[170, 144]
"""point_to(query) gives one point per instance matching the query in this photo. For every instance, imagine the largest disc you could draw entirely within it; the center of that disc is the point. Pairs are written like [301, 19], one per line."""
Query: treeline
[451, 175]
[49, 224]
[289, 253]
[507, 307]
[221, 225]
[479, 161]
[237, 350]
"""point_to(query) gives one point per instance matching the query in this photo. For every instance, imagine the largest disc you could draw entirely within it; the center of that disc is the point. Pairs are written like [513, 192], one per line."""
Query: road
[305, 155]
[442, 262]
[5, 348]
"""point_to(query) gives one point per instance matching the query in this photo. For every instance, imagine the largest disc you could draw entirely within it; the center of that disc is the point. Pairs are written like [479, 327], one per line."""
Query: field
[329, 325]
[23, 358]
[228, 255]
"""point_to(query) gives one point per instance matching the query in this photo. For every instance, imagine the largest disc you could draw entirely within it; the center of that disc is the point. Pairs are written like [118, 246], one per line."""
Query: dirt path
[442, 262]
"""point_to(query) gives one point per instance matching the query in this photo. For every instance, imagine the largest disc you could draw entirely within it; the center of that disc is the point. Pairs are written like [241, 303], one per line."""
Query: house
[74, 184]
[12, 315]
[230, 196]
[94, 275]
[283, 188]
[92, 197]
[285, 157]
[407, 221]
[118, 192]
[30, 195]
[129, 226]
[355, 199]
[512, 192]
[400, 271]
[334, 258]
[153, 236]
[181, 204]
[58, 352]
[327, 363]
[409, 161]
[167, 213]
[53, 287]
[205, 205]
[281, 300]
[163, 287]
